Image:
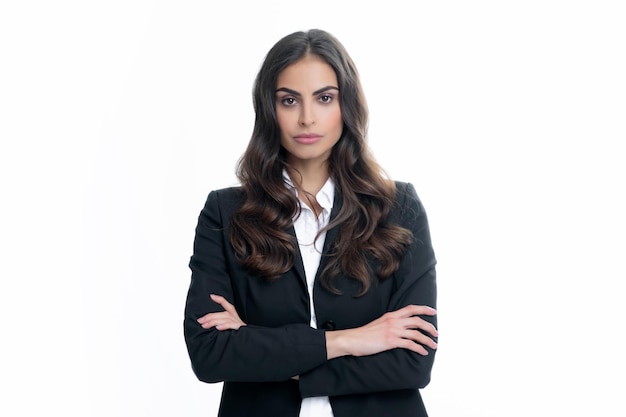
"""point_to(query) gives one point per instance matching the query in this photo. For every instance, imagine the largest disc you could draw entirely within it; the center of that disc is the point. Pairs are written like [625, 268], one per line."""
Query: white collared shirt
[306, 226]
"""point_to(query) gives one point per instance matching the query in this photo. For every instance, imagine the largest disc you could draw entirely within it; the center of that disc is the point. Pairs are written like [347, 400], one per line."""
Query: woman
[313, 284]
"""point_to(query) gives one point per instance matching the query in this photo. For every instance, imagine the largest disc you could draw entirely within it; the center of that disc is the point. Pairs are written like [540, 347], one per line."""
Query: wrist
[337, 344]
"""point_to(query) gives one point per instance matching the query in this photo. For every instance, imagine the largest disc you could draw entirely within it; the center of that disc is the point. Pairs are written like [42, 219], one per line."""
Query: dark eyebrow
[316, 92]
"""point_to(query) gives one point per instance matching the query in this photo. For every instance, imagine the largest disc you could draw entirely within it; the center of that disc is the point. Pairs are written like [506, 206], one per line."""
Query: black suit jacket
[257, 361]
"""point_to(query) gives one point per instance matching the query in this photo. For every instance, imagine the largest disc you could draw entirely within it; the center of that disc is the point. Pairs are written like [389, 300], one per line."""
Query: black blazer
[257, 361]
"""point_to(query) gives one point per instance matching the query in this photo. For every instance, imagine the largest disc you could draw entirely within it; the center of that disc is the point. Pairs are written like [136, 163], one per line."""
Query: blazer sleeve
[397, 368]
[251, 353]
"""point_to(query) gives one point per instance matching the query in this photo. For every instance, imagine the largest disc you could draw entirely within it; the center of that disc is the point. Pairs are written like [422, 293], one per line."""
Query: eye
[326, 98]
[288, 101]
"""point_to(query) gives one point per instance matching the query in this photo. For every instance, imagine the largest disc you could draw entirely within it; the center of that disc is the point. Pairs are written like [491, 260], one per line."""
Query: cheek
[336, 118]
[283, 120]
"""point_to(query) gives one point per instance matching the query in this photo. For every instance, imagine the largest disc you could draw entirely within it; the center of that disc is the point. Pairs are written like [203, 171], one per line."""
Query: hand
[225, 320]
[396, 329]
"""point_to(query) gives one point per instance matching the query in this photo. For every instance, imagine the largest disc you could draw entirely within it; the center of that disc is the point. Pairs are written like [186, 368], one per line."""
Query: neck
[308, 178]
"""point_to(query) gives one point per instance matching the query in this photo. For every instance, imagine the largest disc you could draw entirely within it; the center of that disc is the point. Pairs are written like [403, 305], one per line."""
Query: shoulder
[407, 203]
[406, 193]
[229, 194]
[225, 200]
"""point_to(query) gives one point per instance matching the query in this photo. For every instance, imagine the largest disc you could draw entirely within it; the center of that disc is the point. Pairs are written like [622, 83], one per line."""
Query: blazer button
[329, 325]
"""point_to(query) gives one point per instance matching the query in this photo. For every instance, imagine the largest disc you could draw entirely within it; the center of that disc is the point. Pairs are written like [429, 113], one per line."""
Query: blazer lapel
[298, 264]
[331, 235]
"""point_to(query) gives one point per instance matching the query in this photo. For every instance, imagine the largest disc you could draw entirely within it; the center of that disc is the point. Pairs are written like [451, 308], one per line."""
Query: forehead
[310, 72]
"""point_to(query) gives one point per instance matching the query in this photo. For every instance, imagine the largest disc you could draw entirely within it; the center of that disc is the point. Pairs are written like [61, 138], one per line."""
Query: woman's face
[308, 110]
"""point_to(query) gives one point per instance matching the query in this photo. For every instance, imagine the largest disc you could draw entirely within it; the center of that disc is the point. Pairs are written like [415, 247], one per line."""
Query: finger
[208, 325]
[210, 321]
[213, 318]
[418, 337]
[208, 317]
[413, 310]
[220, 323]
[412, 346]
[421, 310]
[230, 325]
[418, 323]
[223, 302]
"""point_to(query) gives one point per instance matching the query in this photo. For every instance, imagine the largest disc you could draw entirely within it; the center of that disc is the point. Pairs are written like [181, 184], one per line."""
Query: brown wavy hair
[259, 229]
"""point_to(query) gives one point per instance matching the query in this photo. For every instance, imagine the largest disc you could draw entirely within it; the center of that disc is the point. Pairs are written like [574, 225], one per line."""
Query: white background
[118, 117]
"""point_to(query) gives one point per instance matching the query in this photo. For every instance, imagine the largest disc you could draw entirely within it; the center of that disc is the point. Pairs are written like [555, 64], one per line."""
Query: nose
[307, 116]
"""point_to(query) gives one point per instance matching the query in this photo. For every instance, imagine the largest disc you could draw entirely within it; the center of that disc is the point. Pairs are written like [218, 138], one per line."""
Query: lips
[307, 138]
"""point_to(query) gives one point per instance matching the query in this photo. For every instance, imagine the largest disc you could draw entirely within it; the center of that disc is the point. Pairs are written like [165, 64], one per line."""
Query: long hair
[259, 229]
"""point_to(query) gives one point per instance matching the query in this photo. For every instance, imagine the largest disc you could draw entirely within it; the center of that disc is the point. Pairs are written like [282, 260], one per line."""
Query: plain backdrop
[118, 117]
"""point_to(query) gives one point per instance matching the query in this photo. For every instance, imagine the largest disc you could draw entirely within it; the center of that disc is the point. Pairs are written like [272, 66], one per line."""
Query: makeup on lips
[307, 138]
